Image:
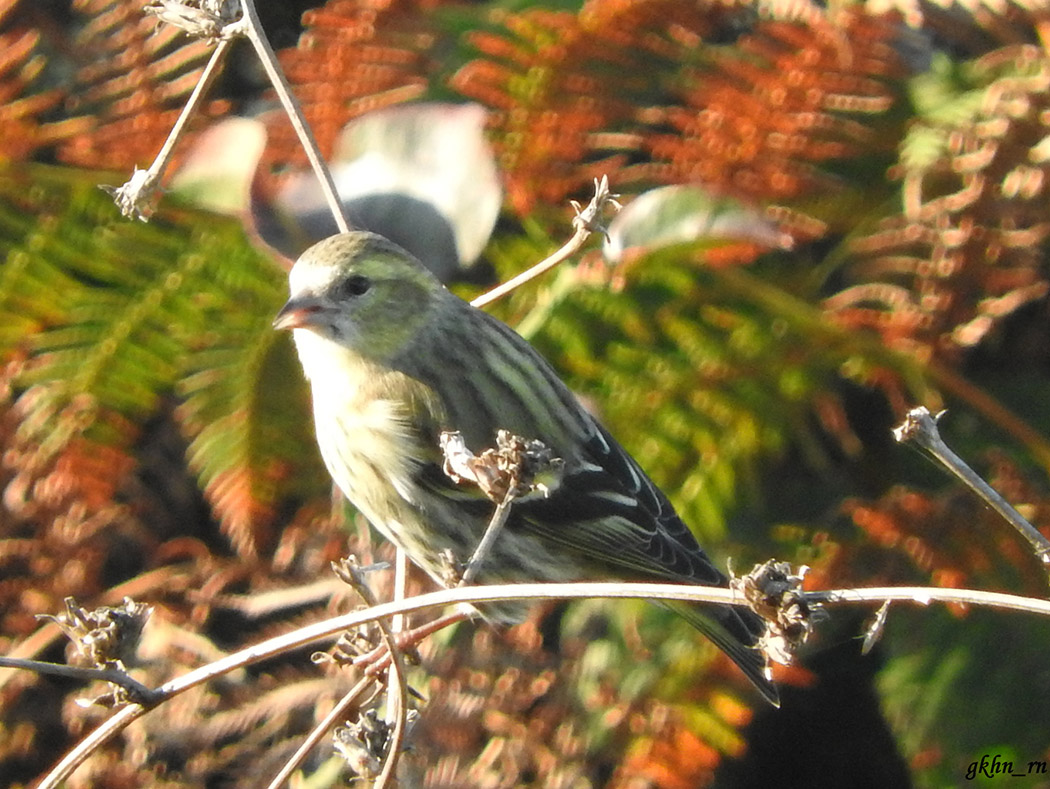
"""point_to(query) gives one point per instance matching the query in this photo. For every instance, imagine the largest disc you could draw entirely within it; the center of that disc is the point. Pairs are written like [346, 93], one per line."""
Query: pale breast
[369, 430]
[363, 415]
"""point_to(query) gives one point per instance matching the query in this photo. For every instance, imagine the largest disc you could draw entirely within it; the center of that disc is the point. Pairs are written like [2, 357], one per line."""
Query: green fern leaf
[113, 316]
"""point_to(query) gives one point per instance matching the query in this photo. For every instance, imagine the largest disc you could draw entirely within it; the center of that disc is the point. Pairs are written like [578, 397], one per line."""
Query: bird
[395, 360]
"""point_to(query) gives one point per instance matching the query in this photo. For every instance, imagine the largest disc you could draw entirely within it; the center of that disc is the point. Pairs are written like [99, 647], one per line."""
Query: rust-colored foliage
[548, 79]
[574, 96]
[206, 732]
[756, 119]
[501, 711]
[23, 129]
[59, 513]
[672, 757]
[133, 79]
[506, 711]
[353, 57]
[966, 250]
[952, 539]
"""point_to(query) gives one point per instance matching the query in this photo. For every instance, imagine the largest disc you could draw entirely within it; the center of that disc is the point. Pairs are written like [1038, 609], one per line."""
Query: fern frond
[25, 108]
[759, 119]
[133, 79]
[352, 58]
[966, 250]
[555, 81]
[107, 318]
[686, 370]
[252, 441]
[650, 90]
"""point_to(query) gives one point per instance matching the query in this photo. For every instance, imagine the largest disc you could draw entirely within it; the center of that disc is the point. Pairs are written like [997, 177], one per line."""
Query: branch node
[921, 427]
[208, 19]
[137, 197]
[776, 595]
[107, 639]
[513, 469]
[591, 218]
[587, 220]
[364, 743]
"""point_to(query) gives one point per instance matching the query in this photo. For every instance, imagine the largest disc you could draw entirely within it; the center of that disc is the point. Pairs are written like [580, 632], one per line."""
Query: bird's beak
[300, 312]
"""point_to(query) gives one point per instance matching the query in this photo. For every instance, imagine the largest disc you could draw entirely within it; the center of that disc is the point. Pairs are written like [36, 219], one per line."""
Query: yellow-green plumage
[394, 359]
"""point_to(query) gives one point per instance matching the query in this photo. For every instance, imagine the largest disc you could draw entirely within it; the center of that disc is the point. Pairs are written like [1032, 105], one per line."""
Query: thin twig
[924, 595]
[319, 731]
[377, 659]
[920, 426]
[394, 708]
[252, 28]
[136, 690]
[397, 623]
[586, 222]
[512, 592]
[349, 571]
[133, 197]
[79, 753]
[511, 469]
[329, 628]
[488, 539]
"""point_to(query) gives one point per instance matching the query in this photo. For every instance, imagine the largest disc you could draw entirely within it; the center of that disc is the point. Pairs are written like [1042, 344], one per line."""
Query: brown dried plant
[966, 251]
[133, 77]
[649, 89]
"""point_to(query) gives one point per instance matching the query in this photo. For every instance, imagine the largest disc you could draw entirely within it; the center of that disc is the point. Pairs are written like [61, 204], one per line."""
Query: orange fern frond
[354, 57]
[755, 121]
[671, 758]
[951, 538]
[561, 86]
[59, 511]
[23, 109]
[647, 88]
[135, 77]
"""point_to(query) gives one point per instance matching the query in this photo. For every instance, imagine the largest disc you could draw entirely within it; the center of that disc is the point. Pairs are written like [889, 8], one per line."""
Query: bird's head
[361, 291]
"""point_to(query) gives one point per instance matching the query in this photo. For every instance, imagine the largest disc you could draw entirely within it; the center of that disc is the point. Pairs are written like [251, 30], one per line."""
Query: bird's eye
[357, 285]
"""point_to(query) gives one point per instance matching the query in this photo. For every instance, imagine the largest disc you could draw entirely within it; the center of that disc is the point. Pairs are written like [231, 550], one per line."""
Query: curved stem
[483, 594]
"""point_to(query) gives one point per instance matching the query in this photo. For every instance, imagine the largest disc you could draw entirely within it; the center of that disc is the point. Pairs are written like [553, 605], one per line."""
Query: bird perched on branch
[395, 360]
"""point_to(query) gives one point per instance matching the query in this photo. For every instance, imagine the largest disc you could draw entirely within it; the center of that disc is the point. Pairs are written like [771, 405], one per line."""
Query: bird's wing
[608, 510]
[605, 508]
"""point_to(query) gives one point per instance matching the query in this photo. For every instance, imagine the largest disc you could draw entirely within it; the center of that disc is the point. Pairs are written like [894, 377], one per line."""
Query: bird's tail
[736, 632]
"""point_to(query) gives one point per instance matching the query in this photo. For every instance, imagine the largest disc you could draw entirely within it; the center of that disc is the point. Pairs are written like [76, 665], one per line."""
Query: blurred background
[832, 213]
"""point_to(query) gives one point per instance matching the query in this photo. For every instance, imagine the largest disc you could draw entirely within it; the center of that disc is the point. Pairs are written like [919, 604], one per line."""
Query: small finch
[395, 360]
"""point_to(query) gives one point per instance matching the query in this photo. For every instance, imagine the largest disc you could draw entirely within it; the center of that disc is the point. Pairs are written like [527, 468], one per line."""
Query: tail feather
[736, 632]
